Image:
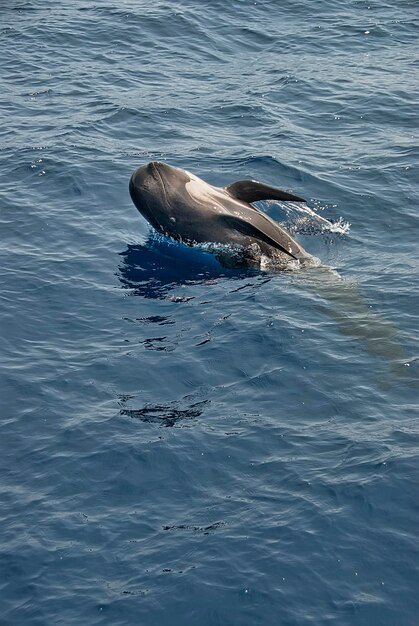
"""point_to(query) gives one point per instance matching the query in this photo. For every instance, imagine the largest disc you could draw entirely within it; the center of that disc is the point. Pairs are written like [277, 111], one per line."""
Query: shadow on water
[168, 415]
[153, 269]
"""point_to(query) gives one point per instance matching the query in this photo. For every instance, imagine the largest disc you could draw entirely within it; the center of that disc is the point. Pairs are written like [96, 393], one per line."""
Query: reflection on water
[153, 269]
[167, 415]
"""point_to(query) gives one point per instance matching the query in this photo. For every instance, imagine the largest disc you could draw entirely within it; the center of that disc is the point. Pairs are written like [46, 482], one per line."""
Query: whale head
[157, 190]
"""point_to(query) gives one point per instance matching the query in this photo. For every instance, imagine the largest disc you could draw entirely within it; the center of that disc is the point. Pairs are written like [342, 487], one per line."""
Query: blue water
[183, 443]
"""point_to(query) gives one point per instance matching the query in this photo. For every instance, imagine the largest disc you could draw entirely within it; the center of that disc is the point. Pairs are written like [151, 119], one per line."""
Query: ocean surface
[182, 443]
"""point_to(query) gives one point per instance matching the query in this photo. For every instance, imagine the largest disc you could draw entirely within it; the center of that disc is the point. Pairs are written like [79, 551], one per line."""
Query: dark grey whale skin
[186, 208]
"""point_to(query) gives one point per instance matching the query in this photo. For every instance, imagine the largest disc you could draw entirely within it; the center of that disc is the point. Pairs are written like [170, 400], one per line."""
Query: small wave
[325, 225]
[340, 227]
[280, 264]
[302, 219]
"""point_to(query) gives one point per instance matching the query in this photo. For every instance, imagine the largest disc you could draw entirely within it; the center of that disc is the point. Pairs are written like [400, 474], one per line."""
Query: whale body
[180, 205]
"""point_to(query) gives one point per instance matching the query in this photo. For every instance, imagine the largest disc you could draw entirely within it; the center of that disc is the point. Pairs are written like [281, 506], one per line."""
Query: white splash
[302, 218]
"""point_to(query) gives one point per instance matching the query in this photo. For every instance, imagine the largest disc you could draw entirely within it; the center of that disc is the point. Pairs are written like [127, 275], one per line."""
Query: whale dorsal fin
[252, 191]
[265, 231]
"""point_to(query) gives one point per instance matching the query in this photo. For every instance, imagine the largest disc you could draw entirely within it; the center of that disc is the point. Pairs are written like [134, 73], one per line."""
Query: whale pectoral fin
[252, 191]
[249, 230]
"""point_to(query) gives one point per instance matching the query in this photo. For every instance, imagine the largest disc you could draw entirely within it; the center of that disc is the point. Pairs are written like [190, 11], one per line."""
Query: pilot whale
[180, 205]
